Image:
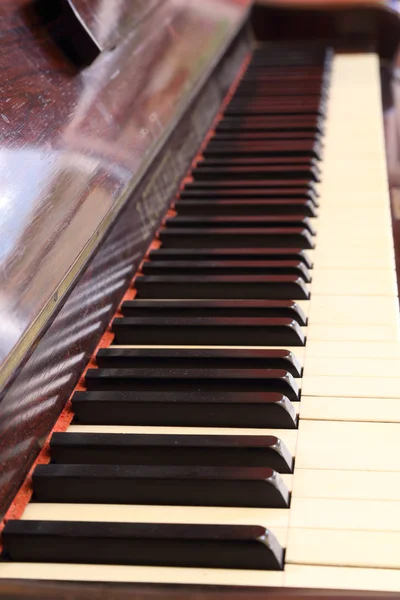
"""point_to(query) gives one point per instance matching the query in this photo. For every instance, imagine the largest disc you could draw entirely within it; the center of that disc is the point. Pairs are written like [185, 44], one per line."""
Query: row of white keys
[349, 431]
[354, 302]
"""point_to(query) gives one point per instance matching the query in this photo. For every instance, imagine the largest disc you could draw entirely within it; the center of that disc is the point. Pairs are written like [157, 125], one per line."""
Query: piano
[200, 355]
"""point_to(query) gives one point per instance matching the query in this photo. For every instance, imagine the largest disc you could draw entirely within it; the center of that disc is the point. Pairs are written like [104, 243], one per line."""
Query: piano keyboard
[243, 427]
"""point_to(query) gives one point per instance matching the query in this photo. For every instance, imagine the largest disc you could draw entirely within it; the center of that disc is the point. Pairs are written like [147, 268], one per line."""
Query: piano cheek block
[199, 546]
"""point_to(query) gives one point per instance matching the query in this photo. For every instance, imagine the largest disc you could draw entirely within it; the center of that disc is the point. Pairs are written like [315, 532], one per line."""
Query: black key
[257, 89]
[307, 61]
[306, 124]
[169, 486]
[179, 450]
[245, 207]
[270, 185]
[274, 77]
[201, 222]
[196, 358]
[284, 54]
[202, 546]
[301, 102]
[281, 309]
[265, 136]
[195, 191]
[204, 331]
[301, 108]
[204, 172]
[267, 161]
[241, 237]
[253, 148]
[192, 380]
[221, 287]
[231, 254]
[225, 267]
[184, 409]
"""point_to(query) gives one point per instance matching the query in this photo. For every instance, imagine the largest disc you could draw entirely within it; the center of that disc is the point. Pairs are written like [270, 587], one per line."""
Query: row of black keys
[275, 158]
[231, 239]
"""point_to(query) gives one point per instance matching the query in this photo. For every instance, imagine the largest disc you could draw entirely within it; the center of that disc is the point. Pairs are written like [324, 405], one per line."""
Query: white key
[304, 513]
[353, 367]
[334, 240]
[352, 310]
[319, 332]
[128, 574]
[327, 408]
[374, 549]
[275, 518]
[352, 387]
[344, 485]
[355, 257]
[348, 515]
[354, 282]
[345, 578]
[349, 349]
[348, 446]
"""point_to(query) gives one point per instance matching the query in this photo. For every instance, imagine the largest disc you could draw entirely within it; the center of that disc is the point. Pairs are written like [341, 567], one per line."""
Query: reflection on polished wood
[73, 145]
[108, 23]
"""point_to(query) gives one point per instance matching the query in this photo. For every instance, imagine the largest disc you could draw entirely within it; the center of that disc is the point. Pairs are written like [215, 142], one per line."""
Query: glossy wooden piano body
[74, 147]
[84, 154]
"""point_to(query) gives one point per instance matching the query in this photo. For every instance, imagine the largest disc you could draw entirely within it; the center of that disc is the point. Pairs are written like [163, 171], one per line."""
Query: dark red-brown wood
[68, 149]
[35, 590]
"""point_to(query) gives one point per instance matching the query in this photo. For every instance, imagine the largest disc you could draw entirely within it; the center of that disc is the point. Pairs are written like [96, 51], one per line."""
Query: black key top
[222, 221]
[195, 191]
[204, 331]
[259, 89]
[245, 207]
[169, 486]
[308, 124]
[253, 148]
[203, 221]
[197, 358]
[179, 450]
[272, 185]
[301, 108]
[225, 267]
[293, 54]
[202, 546]
[231, 254]
[287, 161]
[287, 60]
[204, 172]
[184, 409]
[221, 287]
[255, 77]
[200, 380]
[275, 77]
[281, 309]
[313, 103]
[264, 136]
[241, 237]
